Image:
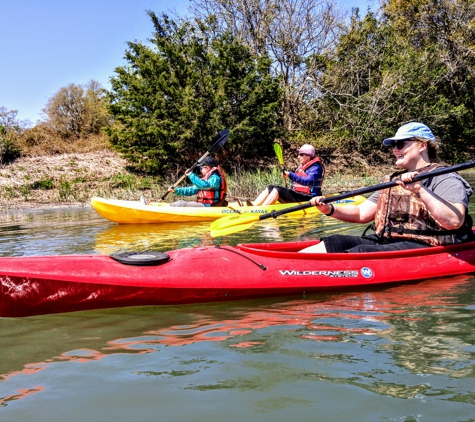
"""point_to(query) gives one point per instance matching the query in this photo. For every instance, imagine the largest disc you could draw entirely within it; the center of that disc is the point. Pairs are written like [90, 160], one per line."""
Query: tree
[293, 33]
[194, 80]
[445, 27]
[77, 110]
[10, 130]
[384, 74]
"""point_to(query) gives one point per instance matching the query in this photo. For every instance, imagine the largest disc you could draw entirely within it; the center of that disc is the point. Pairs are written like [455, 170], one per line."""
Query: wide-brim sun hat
[307, 149]
[411, 130]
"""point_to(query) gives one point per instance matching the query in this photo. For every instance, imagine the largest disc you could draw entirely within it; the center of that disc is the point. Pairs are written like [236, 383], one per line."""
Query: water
[405, 353]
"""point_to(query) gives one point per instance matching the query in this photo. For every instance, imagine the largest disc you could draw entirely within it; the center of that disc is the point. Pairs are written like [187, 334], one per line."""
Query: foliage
[447, 28]
[174, 96]
[43, 184]
[77, 110]
[9, 150]
[43, 140]
[10, 131]
[383, 75]
[9, 120]
[292, 33]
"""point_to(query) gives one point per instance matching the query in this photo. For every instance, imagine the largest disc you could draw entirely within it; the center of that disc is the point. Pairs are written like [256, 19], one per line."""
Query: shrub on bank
[9, 149]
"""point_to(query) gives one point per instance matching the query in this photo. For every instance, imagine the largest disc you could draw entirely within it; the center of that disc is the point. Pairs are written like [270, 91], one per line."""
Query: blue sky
[49, 44]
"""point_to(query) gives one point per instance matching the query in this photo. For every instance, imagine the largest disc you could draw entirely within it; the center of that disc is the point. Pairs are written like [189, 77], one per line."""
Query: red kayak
[51, 284]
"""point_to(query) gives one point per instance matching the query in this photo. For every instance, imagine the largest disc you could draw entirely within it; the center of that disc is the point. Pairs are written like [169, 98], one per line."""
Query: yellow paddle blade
[230, 230]
[233, 220]
[232, 224]
[278, 152]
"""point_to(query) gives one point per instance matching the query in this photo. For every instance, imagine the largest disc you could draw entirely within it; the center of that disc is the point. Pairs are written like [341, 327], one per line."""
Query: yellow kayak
[136, 212]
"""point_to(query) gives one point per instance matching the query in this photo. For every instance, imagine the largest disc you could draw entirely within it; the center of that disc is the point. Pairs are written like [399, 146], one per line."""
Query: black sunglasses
[302, 154]
[399, 144]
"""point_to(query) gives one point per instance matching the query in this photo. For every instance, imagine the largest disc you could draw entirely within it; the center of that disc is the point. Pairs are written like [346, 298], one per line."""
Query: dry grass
[43, 181]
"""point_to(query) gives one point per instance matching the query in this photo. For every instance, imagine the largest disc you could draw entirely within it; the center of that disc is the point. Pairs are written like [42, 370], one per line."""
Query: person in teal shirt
[210, 188]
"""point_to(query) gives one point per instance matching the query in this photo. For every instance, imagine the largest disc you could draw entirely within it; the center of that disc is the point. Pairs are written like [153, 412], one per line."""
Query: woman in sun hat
[425, 213]
[306, 181]
[211, 187]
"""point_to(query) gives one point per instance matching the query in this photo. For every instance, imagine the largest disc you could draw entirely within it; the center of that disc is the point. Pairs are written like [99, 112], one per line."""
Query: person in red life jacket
[211, 188]
[424, 213]
[306, 181]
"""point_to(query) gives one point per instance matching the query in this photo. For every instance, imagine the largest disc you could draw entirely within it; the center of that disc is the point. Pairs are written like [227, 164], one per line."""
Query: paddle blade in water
[232, 224]
[230, 230]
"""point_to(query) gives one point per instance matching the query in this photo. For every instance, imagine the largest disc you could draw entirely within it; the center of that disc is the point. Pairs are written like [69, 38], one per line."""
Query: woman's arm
[313, 178]
[361, 213]
[186, 191]
[213, 182]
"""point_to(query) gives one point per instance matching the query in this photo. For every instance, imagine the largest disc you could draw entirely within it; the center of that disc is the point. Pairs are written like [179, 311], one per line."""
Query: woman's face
[303, 158]
[408, 153]
[204, 169]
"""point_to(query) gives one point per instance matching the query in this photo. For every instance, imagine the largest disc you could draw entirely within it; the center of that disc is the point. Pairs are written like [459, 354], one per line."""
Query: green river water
[403, 353]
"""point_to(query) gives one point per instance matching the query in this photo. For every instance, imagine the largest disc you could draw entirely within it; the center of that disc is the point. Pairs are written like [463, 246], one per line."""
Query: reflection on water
[164, 237]
[404, 353]
[411, 342]
[49, 232]
[83, 231]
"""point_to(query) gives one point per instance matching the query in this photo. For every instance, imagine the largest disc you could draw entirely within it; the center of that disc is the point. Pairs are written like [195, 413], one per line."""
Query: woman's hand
[188, 171]
[171, 189]
[322, 207]
[406, 180]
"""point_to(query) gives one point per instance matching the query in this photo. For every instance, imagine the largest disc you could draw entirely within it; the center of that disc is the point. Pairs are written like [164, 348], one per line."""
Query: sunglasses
[399, 144]
[302, 155]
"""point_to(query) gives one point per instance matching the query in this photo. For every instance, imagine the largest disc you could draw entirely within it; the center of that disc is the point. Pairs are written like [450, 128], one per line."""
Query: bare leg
[182, 203]
[272, 198]
[318, 248]
[261, 198]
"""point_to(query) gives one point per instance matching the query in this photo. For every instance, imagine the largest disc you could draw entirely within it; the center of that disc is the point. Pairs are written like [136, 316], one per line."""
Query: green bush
[9, 151]
[43, 184]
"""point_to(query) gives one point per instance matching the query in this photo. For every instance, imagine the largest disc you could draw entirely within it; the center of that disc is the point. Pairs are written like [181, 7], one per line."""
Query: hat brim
[389, 141]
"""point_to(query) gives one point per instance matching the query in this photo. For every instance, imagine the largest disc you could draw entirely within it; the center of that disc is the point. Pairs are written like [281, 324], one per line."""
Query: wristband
[331, 211]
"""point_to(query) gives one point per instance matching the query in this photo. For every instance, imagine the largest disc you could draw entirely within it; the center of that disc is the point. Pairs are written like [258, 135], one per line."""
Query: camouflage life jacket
[402, 214]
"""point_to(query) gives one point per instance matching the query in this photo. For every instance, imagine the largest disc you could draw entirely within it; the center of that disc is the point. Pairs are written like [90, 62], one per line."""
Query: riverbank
[70, 180]
[62, 180]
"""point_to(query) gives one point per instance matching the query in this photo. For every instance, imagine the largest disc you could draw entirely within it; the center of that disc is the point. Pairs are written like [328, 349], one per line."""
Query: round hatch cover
[141, 258]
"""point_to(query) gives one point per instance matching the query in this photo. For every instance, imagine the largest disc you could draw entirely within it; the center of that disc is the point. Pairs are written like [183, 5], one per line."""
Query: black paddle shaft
[369, 189]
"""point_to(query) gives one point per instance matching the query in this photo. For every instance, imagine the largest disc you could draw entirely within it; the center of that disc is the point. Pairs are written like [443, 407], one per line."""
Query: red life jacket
[297, 187]
[208, 196]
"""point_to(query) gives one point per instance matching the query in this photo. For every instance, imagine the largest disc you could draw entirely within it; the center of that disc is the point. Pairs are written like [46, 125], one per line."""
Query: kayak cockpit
[292, 249]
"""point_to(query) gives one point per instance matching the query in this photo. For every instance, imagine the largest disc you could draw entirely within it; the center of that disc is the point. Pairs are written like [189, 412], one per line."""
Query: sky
[46, 45]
